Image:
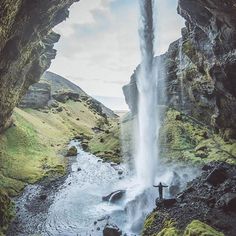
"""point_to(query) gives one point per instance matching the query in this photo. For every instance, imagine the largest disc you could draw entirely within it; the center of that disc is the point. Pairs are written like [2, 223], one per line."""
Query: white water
[147, 119]
[147, 124]
[181, 73]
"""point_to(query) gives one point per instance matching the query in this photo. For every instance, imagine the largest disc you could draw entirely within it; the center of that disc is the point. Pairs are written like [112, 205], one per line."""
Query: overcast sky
[99, 45]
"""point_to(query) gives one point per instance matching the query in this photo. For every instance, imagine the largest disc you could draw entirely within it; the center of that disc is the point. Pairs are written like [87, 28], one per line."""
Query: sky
[99, 45]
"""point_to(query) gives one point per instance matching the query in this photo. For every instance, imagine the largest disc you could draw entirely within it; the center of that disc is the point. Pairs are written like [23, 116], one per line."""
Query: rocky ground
[210, 198]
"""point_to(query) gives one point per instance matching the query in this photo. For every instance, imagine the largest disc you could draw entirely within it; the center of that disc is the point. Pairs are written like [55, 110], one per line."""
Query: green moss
[106, 144]
[6, 211]
[184, 138]
[197, 228]
[172, 231]
[149, 221]
[190, 51]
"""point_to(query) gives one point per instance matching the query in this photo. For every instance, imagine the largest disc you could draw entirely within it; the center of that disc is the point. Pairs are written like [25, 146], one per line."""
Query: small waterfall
[181, 73]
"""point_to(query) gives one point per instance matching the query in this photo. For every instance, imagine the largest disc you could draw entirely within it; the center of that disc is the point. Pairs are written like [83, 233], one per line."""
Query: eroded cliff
[26, 47]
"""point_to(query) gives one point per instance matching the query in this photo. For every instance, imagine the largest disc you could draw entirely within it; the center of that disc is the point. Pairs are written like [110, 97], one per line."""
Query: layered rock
[199, 69]
[26, 47]
[209, 198]
[37, 96]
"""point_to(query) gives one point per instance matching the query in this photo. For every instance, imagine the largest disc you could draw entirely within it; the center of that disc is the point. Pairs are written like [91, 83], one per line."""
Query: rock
[72, 151]
[38, 96]
[43, 197]
[111, 230]
[62, 96]
[217, 176]
[120, 172]
[59, 109]
[26, 47]
[84, 146]
[79, 169]
[114, 196]
[228, 202]
[165, 202]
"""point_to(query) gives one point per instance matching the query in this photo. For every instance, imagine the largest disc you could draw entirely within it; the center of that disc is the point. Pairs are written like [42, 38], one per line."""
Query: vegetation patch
[200, 229]
[186, 139]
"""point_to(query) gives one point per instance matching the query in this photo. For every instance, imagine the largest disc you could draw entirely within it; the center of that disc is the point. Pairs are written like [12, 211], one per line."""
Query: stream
[75, 207]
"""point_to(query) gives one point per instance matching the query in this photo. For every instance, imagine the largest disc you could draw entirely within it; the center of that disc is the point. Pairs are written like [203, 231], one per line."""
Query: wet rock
[175, 184]
[43, 197]
[217, 176]
[228, 202]
[72, 151]
[114, 196]
[165, 202]
[111, 230]
[79, 169]
[37, 96]
[120, 172]
[84, 145]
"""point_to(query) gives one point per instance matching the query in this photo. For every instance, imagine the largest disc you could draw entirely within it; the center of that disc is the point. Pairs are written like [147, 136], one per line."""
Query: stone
[26, 47]
[72, 151]
[165, 202]
[111, 230]
[43, 197]
[38, 96]
[114, 196]
[217, 176]
[228, 202]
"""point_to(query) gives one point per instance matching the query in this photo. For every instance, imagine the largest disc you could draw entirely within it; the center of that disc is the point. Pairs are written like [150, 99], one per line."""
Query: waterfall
[181, 73]
[147, 119]
[141, 198]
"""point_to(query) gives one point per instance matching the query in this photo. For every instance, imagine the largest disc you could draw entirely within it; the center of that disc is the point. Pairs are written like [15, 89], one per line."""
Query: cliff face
[200, 68]
[26, 47]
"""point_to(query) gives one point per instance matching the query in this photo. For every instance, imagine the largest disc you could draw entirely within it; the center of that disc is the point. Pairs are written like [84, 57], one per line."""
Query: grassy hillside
[32, 148]
[183, 138]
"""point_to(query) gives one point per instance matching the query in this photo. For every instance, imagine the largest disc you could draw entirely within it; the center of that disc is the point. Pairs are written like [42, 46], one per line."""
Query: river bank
[58, 207]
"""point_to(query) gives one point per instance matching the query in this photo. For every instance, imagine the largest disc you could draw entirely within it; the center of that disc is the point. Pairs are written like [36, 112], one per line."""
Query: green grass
[181, 138]
[107, 143]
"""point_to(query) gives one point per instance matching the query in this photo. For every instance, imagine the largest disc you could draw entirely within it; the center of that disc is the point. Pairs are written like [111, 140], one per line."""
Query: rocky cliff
[26, 47]
[54, 88]
[200, 68]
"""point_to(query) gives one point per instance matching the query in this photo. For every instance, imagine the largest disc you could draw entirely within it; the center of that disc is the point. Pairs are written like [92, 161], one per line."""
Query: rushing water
[147, 123]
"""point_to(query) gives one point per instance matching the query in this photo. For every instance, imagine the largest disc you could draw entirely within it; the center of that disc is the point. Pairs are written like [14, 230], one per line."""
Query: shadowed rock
[114, 196]
[111, 230]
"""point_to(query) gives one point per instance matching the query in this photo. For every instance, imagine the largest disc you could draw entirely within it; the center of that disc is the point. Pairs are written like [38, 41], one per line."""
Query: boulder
[111, 230]
[38, 96]
[167, 203]
[228, 202]
[217, 176]
[72, 151]
[114, 196]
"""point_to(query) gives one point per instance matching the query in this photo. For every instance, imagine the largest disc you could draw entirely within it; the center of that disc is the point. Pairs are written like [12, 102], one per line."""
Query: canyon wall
[26, 47]
[200, 68]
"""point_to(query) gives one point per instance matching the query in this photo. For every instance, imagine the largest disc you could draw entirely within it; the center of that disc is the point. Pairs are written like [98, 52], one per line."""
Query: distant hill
[59, 83]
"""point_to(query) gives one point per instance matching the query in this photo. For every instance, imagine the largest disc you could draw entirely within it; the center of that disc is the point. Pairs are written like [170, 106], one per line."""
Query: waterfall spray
[147, 119]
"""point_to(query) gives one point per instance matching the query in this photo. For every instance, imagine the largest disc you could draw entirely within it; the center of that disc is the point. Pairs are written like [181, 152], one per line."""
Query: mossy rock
[149, 222]
[172, 231]
[72, 151]
[198, 228]
[6, 211]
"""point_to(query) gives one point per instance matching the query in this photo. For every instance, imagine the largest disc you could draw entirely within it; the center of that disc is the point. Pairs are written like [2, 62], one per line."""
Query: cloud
[99, 46]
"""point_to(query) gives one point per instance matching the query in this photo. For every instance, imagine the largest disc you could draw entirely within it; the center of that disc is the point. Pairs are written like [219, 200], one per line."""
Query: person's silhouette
[160, 189]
